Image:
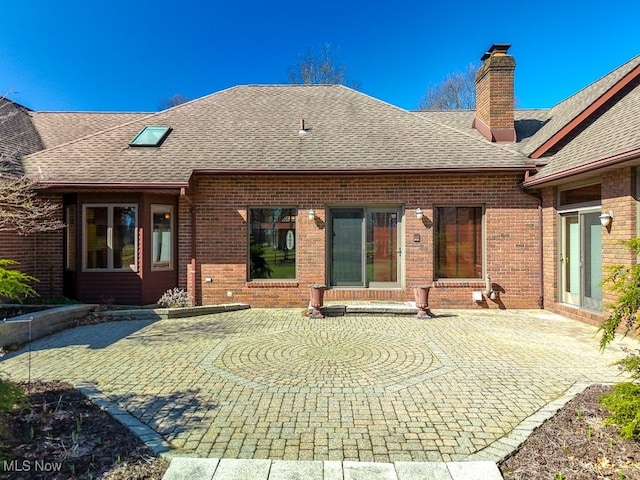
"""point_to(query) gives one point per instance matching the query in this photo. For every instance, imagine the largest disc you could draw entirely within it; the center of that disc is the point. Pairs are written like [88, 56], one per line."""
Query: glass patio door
[581, 260]
[364, 247]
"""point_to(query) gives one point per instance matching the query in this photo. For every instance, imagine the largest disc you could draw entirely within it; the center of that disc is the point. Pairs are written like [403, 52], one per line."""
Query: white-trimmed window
[161, 237]
[110, 237]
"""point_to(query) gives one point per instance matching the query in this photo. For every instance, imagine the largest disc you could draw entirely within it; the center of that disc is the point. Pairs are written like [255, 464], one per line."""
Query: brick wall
[221, 206]
[39, 255]
[618, 196]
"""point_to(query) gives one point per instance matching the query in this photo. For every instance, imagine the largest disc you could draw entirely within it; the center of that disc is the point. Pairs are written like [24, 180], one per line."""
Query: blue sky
[129, 55]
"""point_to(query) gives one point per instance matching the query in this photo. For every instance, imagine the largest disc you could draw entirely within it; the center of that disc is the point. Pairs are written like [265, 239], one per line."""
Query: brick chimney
[494, 95]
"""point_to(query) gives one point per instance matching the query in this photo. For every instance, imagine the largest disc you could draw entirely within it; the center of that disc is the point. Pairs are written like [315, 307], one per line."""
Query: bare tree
[173, 101]
[22, 210]
[320, 67]
[456, 92]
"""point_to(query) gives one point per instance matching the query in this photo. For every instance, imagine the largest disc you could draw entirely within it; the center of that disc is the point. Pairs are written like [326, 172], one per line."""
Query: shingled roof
[597, 127]
[526, 123]
[567, 110]
[255, 129]
[56, 128]
[17, 136]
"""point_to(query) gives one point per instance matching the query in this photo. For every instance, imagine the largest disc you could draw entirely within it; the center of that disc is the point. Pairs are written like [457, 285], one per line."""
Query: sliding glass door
[364, 247]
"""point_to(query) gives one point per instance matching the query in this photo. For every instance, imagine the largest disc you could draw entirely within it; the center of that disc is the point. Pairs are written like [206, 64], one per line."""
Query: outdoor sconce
[312, 215]
[419, 213]
[606, 219]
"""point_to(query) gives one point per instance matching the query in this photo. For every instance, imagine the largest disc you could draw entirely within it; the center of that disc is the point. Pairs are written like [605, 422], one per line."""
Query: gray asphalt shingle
[255, 128]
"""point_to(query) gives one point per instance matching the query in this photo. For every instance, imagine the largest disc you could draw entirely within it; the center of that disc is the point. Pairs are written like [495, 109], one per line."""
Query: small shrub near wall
[175, 297]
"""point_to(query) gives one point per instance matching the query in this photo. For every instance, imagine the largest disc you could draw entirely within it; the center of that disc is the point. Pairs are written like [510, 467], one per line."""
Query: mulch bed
[576, 445]
[62, 435]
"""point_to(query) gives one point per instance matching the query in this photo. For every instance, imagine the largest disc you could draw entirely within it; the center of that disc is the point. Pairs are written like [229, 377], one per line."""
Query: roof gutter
[352, 171]
[608, 162]
[118, 185]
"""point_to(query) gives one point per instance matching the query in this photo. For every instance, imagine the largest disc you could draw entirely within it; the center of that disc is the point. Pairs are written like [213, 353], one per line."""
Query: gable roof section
[609, 139]
[569, 114]
[254, 129]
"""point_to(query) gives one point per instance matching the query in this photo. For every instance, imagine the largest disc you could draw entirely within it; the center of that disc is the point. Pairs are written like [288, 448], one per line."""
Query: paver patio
[273, 384]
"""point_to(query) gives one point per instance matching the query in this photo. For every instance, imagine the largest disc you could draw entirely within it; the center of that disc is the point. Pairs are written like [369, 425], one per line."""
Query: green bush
[624, 405]
[14, 284]
[624, 281]
[11, 397]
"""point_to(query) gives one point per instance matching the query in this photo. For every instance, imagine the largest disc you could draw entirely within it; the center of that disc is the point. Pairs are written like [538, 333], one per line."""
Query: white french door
[581, 259]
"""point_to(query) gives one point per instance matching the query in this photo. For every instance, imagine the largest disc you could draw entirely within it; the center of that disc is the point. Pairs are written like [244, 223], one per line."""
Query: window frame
[109, 237]
[71, 245]
[366, 282]
[163, 266]
[566, 207]
[483, 240]
[296, 212]
[136, 143]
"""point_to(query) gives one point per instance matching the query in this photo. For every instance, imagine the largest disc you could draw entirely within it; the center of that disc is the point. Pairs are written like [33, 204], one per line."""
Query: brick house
[253, 193]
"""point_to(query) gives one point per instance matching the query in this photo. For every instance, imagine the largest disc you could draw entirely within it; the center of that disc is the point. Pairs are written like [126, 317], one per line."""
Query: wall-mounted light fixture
[419, 213]
[312, 215]
[606, 219]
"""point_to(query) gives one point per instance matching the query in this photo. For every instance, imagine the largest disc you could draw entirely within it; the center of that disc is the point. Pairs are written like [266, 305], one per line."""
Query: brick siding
[618, 196]
[221, 206]
[39, 255]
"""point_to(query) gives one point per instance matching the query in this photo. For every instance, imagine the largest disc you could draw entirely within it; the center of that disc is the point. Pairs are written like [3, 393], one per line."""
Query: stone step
[187, 468]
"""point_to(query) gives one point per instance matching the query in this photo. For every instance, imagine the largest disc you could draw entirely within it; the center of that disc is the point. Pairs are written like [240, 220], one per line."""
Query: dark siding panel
[110, 288]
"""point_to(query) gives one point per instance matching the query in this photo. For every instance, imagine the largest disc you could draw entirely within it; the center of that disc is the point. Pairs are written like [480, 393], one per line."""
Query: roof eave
[355, 171]
[114, 185]
[629, 158]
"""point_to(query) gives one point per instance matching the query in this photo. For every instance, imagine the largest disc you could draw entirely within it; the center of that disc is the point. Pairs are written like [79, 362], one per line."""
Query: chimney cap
[499, 49]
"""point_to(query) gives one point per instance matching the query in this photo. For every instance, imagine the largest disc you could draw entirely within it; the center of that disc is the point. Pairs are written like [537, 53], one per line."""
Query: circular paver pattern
[271, 384]
[339, 358]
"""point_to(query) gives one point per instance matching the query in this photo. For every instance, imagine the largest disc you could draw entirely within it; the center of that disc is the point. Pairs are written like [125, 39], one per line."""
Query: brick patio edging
[511, 442]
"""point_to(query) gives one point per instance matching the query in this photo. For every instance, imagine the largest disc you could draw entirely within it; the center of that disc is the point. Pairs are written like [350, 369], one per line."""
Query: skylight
[150, 136]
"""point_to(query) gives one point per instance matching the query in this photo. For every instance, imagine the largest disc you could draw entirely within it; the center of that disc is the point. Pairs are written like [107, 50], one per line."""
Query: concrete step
[187, 468]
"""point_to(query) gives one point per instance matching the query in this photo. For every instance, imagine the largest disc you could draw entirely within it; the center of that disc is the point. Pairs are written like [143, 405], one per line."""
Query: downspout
[191, 268]
[538, 198]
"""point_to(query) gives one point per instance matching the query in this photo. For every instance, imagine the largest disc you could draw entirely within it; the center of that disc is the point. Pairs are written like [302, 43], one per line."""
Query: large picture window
[458, 242]
[110, 237]
[272, 240]
[162, 237]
